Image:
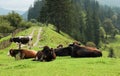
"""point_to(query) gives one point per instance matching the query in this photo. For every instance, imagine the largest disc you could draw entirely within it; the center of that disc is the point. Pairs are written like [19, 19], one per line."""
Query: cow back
[29, 53]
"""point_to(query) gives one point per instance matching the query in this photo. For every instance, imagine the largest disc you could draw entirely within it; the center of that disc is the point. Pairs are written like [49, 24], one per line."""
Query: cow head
[60, 46]
[11, 40]
[47, 54]
[13, 52]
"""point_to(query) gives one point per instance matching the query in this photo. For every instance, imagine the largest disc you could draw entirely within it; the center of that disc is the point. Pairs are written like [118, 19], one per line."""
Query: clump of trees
[84, 20]
[13, 21]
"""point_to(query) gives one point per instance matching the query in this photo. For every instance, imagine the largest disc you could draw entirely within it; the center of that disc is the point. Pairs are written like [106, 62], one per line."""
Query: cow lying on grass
[83, 51]
[64, 51]
[75, 50]
[22, 53]
[47, 54]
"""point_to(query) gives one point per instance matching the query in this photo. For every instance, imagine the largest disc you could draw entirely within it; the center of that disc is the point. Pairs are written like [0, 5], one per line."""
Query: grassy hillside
[62, 66]
[115, 44]
[52, 38]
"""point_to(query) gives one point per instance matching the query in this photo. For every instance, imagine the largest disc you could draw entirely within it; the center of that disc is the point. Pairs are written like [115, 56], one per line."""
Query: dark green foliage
[14, 19]
[34, 11]
[57, 12]
[102, 34]
[5, 27]
[9, 23]
[92, 22]
[111, 53]
[90, 44]
[24, 24]
[81, 19]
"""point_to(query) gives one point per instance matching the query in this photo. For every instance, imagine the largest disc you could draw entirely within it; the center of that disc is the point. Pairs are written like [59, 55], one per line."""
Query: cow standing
[22, 40]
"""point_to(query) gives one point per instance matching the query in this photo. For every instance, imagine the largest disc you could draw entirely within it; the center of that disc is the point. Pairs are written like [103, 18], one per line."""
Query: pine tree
[57, 12]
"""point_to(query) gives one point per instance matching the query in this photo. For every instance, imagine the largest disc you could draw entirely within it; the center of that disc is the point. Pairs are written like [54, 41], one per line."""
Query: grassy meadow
[62, 66]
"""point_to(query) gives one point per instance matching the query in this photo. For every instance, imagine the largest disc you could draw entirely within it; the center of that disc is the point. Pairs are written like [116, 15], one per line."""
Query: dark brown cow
[82, 51]
[47, 54]
[75, 50]
[22, 53]
[60, 46]
[65, 51]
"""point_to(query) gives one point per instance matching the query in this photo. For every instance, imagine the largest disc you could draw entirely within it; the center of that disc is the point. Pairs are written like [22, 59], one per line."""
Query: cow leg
[17, 56]
[29, 44]
[22, 56]
[19, 46]
[42, 58]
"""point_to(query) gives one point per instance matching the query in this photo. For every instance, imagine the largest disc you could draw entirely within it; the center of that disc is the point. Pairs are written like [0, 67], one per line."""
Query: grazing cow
[22, 53]
[82, 51]
[47, 54]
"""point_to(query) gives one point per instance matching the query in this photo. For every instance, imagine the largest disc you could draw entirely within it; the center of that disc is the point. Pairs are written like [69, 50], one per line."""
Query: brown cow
[75, 50]
[82, 51]
[60, 46]
[22, 53]
[47, 54]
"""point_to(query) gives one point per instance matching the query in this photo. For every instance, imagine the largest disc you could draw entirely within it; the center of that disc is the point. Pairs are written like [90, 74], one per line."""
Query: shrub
[111, 53]
[90, 44]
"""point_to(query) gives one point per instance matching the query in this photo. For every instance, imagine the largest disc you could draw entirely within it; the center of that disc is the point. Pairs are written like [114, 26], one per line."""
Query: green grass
[115, 44]
[52, 38]
[61, 66]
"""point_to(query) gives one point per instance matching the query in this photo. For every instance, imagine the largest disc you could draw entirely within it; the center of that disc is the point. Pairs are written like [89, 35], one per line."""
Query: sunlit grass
[61, 66]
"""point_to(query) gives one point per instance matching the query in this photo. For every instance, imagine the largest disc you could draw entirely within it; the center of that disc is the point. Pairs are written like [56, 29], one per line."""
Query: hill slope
[48, 37]
[62, 66]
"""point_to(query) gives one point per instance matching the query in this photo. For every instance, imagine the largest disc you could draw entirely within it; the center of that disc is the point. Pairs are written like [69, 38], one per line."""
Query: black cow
[64, 51]
[47, 54]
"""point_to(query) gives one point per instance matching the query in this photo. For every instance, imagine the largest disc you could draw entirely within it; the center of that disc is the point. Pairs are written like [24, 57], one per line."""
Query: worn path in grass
[32, 32]
[38, 37]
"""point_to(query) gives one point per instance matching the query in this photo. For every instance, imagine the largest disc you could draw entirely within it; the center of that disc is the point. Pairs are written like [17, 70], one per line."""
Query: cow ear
[52, 49]
[11, 51]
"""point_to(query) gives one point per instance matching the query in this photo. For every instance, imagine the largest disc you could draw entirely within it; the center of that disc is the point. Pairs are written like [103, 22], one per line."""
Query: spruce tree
[57, 12]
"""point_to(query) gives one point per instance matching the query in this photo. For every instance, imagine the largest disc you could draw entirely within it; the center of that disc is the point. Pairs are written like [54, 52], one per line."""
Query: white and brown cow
[22, 53]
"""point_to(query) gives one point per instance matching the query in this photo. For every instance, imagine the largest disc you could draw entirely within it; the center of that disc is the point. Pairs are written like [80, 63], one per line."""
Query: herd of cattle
[48, 54]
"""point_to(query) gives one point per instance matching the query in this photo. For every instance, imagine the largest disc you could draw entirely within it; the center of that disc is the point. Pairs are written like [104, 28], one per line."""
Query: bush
[111, 53]
[5, 27]
[90, 44]
[24, 24]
